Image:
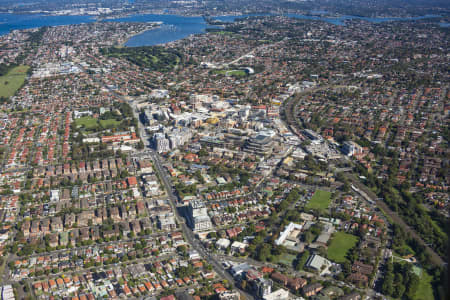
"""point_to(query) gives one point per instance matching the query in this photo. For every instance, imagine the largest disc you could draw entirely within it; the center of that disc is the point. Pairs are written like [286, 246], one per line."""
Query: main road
[187, 232]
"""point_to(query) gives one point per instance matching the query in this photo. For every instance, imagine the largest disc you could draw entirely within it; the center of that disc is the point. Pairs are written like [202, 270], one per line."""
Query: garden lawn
[13, 81]
[320, 200]
[340, 244]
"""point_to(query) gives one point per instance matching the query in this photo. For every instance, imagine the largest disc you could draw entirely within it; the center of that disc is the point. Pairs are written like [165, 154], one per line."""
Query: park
[13, 81]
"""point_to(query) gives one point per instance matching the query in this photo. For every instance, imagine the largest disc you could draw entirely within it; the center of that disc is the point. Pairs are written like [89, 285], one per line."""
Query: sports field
[320, 200]
[87, 122]
[340, 244]
[109, 123]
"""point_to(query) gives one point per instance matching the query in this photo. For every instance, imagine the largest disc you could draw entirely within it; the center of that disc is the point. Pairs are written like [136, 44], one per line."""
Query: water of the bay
[174, 27]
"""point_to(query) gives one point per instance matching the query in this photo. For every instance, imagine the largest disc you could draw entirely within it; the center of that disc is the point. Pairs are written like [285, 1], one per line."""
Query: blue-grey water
[174, 27]
[341, 19]
[10, 22]
[333, 20]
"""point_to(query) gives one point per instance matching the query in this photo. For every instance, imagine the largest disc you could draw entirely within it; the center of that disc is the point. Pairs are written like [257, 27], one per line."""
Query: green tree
[264, 252]
[301, 260]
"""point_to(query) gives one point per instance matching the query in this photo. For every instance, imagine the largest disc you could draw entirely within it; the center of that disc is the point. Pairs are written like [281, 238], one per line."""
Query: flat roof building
[280, 294]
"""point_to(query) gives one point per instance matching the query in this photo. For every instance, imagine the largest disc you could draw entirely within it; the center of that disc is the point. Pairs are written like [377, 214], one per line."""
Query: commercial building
[277, 295]
[223, 244]
[240, 269]
[229, 295]
[179, 137]
[7, 292]
[262, 287]
[314, 137]
[161, 143]
[198, 218]
[261, 143]
[350, 148]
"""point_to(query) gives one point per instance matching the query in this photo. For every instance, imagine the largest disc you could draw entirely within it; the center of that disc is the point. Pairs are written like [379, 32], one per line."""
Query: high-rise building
[198, 218]
[179, 137]
[263, 287]
[261, 144]
[350, 148]
[161, 143]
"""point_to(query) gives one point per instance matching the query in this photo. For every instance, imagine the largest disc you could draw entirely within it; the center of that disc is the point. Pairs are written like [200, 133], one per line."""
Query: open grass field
[13, 81]
[340, 244]
[235, 73]
[320, 200]
[87, 122]
[109, 123]
[425, 290]
[222, 72]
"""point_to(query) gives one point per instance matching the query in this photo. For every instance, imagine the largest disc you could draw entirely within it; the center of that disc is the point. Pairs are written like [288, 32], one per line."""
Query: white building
[198, 218]
[161, 143]
[319, 263]
[194, 255]
[159, 94]
[314, 137]
[223, 243]
[179, 137]
[287, 231]
[238, 246]
[7, 292]
[350, 148]
[280, 294]
[54, 195]
[299, 153]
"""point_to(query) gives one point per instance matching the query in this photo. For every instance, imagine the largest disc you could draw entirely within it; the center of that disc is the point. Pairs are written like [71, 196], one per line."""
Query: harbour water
[10, 22]
[174, 27]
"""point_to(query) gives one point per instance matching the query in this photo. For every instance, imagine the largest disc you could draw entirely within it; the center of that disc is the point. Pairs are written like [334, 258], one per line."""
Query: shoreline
[334, 19]
[233, 14]
[138, 33]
